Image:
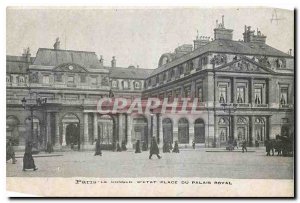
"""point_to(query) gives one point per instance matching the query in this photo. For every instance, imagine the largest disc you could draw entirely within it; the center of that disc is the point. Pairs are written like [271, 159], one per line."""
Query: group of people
[232, 144]
[167, 147]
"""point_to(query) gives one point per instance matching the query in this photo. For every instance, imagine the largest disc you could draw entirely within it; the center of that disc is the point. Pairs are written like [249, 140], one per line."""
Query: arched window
[183, 131]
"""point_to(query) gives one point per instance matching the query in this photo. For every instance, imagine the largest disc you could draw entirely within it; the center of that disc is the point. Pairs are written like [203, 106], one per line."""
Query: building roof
[129, 73]
[55, 57]
[225, 46]
[17, 64]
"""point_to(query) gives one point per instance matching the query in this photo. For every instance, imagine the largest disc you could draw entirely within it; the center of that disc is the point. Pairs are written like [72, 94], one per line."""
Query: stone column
[252, 97]
[233, 90]
[129, 131]
[160, 131]
[85, 129]
[121, 128]
[191, 133]
[48, 127]
[95, 123]
[154, 123]
[57, 140]
[251, 131]
[64, 134]
[232, 127]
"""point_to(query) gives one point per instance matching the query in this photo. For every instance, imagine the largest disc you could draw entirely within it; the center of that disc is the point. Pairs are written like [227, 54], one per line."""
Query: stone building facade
[245, 89]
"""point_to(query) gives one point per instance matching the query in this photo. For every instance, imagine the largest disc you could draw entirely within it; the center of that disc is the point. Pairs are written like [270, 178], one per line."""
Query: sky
[136, 36]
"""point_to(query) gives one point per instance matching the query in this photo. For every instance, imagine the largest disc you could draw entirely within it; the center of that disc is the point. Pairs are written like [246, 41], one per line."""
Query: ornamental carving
[280, 63]
[34, 77]
[264, 61]
[105, 81]
[219, 59]
[243, 66]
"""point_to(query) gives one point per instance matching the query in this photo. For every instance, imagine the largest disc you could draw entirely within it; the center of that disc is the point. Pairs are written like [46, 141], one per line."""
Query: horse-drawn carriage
[283, 145]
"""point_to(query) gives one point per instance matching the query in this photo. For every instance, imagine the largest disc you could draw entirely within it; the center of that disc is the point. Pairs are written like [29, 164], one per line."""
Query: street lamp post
[39, 102]
[230, 110]
[151, 114]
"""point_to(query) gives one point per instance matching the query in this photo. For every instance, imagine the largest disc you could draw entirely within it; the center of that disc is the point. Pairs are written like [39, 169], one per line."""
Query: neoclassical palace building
[245, 90]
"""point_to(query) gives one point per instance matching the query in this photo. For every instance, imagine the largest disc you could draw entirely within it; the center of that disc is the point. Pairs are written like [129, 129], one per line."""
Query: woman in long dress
[98, 148]
[28, 162]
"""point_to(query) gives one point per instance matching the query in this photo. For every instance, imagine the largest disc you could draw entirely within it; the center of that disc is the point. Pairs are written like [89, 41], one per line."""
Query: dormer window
[7, 78]
[71, 79]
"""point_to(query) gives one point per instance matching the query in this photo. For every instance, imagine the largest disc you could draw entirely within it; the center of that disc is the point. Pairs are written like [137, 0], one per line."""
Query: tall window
[187, 91]
[82, 78]
[222, 94]
[200, 94]
[240, 91]
[46, 79]
[125, 84]
[258, 96]
[284, 95]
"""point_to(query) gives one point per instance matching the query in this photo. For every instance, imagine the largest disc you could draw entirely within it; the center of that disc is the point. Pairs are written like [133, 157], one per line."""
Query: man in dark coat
[10, 152]
[137, 147]
[194, 144]
[154, 148]
[98, 148]
[28, 162]
[176, 148]
[244, 145]
[123, 146]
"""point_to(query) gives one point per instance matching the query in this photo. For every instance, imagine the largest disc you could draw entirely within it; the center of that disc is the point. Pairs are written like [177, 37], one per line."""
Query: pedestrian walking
[154, 148]
[176, 148]
[137, 147]
[123, 146]
[194, 144]
[28, 162]
[10, 152]
[98, 148]
[244, 145]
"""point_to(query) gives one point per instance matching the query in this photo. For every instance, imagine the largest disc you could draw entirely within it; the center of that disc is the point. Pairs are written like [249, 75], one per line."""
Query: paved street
[188, 163]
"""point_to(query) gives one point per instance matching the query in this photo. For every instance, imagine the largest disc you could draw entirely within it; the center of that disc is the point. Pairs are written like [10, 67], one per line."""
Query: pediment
[243, 65]
[70, 67]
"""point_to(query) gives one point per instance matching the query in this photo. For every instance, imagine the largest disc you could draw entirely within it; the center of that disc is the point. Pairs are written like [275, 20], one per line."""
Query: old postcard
[150, 102]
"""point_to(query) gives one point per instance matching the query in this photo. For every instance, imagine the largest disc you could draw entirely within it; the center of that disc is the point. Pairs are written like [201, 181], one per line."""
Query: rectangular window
[58, 77]
[93, 80]
[284, 95]
[70, 79]
[222, 94]
[169, 96]
[46, 79]
[82, 78]
[200, 94]
[240, 91]
[187, 91]
[258, 96]
[125, 84]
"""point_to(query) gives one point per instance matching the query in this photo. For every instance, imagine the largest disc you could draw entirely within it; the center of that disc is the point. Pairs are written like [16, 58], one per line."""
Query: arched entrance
[260, 130]
[106, 131]
[242, 129]
[199, 131]
[223, 131]
[72, 134]
[140, 129]
[183, 131]
[12, 129]
[167, 130]
[71, 130]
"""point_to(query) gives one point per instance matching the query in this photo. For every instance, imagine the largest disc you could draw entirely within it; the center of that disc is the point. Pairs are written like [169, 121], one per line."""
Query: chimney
[220, 32]
[101, 60]
[26, 54]
[201, 41]
[249, 36]
[56, 45]
[113, 62]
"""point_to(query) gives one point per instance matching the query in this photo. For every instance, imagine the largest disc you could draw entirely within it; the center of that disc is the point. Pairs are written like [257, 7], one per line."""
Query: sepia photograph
[150, 102]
